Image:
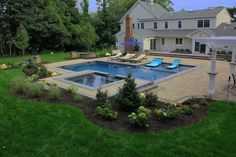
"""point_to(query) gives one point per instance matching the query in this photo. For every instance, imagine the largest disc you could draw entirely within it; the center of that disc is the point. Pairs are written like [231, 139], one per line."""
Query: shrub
[101, 97]
[36, 89]
[54, 92]
[30, 68]
[150, 99]
[33, 78]
[103, 52]
[141, 117]
[105, 111]
[42, 72]
[171, 112]
[18, 84]
[128, 97]
[75, 93]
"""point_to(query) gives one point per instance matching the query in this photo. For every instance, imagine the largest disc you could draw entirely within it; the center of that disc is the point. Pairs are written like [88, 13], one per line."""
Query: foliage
[42, 72]
[105, 111]
[171, 112]
[54, 92]
[185, 109]
[21, 40]
[75, 93]
[36, 89]
[103, 52]
[18, 84]
[101, 97]
[30, 68]
[150, 99]
[141, 117]
[232, 12]
[128, 97]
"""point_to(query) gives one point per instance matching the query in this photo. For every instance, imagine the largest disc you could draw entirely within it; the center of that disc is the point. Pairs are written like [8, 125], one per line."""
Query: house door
[203, 48]
[153, 44]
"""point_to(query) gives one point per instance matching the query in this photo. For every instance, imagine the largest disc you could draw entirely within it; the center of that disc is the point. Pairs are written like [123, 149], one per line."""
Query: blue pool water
[141, 72]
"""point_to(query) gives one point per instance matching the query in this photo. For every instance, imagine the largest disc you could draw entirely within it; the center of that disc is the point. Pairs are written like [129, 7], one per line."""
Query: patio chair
[175, 64]
[139, 58]
[155, 62]
[119, 54]
[127, 57]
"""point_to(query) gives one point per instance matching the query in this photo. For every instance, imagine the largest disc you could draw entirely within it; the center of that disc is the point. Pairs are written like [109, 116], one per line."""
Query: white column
[193, 45]
[207, 49]
[212, 74]
[233, 62]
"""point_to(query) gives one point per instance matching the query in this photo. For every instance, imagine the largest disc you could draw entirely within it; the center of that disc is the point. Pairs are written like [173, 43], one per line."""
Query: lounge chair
[155, 62]
[119, 54]
[127, 57]
[174, 65]
[139, 58]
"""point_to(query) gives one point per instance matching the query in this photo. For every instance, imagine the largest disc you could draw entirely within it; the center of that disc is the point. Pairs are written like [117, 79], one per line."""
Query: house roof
[206, 13]
[225, 29]
[156, 10]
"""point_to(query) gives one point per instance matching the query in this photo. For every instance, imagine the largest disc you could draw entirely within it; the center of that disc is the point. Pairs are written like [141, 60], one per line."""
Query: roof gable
[155, 10]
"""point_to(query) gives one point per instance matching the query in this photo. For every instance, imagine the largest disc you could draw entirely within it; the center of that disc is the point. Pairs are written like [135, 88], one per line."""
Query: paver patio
[178, 88]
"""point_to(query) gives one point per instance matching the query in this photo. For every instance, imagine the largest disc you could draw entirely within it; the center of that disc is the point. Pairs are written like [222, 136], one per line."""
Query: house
[161, 30]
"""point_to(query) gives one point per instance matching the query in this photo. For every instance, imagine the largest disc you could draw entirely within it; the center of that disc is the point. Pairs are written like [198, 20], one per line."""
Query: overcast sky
[188, 4]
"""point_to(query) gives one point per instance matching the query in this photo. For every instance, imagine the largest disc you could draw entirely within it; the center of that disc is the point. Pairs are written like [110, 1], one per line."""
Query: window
[200, 23]
[142, 25]
[206, 23]
[179, 24]
[163, 41]
[178, 41]
[138, 25]
[133, 26]
[155, 25]
[203, 23]
[166, 25]
[197, 46]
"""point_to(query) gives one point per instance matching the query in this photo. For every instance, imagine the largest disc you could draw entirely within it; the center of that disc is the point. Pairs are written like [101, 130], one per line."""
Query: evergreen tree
[21, 40]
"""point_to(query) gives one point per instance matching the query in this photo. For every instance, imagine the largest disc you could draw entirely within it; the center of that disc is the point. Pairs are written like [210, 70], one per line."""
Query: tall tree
[232, 12]
[21, 40]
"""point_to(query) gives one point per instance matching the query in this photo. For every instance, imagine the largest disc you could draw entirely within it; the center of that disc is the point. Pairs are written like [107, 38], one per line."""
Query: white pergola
[215, 43]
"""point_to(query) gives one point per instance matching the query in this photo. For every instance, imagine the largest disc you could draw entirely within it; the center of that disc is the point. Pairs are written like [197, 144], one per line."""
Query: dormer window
[166, 25]
[155, 25]
[206, 23]
[179, 24]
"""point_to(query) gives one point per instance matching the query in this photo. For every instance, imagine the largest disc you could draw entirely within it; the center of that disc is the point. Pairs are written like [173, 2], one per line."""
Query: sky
[188, 4]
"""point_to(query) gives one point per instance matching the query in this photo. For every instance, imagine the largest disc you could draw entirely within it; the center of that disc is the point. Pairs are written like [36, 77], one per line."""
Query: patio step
[190, 56]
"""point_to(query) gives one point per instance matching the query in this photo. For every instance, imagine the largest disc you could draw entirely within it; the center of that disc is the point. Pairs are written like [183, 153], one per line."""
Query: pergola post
[212, 74]
[233, 61]
[193, 45]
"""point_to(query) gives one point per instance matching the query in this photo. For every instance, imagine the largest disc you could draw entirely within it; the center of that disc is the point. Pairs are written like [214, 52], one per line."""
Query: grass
[46, 57]
[33, 129]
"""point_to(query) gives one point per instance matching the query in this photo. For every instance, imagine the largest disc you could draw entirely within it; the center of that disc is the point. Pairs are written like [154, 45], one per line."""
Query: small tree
[22, 38]
[128, 97]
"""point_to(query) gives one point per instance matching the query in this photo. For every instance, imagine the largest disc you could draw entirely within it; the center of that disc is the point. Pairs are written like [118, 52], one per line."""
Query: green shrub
[128, 97]
[101, 97]
[30, 68]
[18, 84]
[105, 111]
[54, 92]
[171, 112]
[36, 89]
[150, 99]
[103, 52]
[42, 72]
[141, 117]
[75, 93]
[33, 78]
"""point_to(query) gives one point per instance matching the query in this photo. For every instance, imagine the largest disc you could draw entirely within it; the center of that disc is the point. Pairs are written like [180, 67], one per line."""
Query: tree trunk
[10, 49]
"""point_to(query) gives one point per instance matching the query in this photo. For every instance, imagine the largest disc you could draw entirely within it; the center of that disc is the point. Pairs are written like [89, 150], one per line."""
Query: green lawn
[47, 57]
[32, 129]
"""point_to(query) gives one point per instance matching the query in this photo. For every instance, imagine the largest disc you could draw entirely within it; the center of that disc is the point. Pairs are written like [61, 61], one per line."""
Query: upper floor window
[155, 25]
[142, 25]
[179, 24]
[133, 26]
[166, 25]
[163, 41]
[203, 23]
[178, 41]
[138, 25]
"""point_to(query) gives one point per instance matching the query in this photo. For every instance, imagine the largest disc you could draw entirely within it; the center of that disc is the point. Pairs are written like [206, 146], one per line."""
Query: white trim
[189, 35]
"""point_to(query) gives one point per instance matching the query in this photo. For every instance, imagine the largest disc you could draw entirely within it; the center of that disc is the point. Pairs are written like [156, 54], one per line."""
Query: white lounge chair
[119, 54]
[139, 58]
[127, 57]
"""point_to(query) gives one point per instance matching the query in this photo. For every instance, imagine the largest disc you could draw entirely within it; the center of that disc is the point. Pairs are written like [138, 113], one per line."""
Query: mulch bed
[122, 124]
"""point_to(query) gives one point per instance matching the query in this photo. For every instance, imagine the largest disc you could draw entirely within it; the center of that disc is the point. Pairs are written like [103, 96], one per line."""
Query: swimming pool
[140, 72]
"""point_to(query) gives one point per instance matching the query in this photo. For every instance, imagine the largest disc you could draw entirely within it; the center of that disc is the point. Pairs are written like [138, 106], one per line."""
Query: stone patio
[180, 87]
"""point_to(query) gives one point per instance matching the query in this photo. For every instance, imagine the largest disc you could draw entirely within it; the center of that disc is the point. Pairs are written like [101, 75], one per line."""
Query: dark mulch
[122, 124]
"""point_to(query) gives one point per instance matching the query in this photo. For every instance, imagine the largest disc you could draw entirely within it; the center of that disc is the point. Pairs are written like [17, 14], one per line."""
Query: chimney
[128, 32]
